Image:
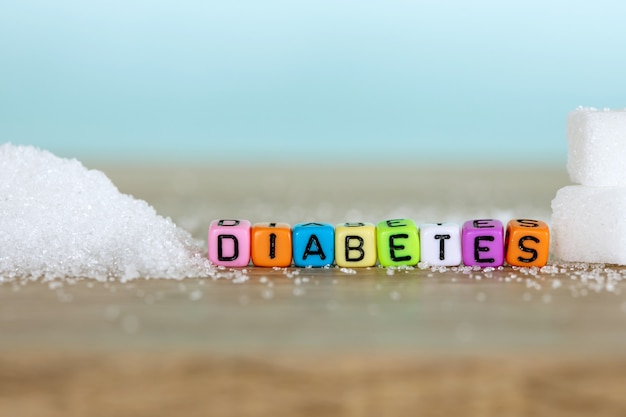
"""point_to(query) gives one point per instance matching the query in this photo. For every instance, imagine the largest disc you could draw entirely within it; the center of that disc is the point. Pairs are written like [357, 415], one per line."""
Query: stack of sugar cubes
[589, 220]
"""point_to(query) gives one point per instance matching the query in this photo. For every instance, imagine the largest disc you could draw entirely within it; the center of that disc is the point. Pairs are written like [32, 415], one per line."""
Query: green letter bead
[398, 242]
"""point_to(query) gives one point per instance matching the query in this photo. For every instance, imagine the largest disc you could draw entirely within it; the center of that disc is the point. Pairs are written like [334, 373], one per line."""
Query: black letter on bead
[395, 223]
[528, 223]
[393, 247]
[478, 249]
[319, 251]
[220, 252]
[272, 245]
[442, 245]
[529, 250]
[482, 224]
[358, 248]
[230, 223]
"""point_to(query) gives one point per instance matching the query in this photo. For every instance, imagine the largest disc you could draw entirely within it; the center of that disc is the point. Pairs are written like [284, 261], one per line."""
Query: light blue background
[203, 81]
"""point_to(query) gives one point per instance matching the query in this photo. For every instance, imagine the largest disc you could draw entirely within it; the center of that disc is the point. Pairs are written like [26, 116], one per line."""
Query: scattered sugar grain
[195, 295]
[112, 312]
[373, 309]
[130, 324]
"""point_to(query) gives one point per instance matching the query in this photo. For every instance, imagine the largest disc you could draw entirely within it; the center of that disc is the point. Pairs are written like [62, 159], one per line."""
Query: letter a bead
[229, 242]
[483, 243]
[313, 244]
[355, 245]
[398, 242]
[527, 242]
[440, 244]
[271, 244]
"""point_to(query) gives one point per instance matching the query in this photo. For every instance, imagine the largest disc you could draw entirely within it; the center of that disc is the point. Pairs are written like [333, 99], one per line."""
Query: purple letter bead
[483, 243]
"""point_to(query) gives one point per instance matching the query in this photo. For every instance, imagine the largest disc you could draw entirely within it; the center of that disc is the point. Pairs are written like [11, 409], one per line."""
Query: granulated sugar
[59, 220]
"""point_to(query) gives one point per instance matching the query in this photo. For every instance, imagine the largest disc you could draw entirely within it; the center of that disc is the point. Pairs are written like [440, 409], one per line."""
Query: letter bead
[483, 243]
[527, 242]
[440, 244]
[229, 242]
[398, 242]
[355, 245]
[271, 244]
[313, 244]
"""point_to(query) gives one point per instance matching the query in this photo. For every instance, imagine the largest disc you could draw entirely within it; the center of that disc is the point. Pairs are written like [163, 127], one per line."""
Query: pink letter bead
[483, 243]
[229, 242]
[441, 244]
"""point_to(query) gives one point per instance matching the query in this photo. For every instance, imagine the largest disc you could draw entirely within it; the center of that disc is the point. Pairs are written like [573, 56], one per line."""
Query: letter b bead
[229, 242]
[355, 245]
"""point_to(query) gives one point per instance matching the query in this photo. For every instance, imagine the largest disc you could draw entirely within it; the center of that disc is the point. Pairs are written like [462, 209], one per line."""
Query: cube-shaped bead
[440, 244]
[313, 244]
[527, 242]
[596, 147]
[271, 244]
[588, 224]
[483, 243]
[398, 242]
[355, 245]
[229, 242]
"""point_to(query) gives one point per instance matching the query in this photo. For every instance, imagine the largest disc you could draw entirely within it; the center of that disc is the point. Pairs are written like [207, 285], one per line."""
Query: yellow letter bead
[355, 245]
[398, 242]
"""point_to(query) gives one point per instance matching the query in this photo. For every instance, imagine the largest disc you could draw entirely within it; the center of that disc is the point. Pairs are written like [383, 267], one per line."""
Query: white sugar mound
[59, 219]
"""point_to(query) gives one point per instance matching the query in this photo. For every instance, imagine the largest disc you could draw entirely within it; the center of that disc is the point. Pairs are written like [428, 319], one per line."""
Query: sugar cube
[588, 224]
[597, 147]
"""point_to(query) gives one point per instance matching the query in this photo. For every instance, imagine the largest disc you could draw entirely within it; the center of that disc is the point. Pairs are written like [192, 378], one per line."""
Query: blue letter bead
[313, 244]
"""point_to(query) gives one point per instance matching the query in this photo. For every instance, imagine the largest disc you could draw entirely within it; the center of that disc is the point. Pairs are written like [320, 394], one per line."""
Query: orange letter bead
[527, 243]
[271, 244]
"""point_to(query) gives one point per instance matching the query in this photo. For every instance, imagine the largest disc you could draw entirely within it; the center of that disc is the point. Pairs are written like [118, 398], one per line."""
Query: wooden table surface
[323, 341]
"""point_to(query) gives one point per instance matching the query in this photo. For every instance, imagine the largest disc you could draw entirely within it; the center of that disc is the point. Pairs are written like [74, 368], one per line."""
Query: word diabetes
[482, 242]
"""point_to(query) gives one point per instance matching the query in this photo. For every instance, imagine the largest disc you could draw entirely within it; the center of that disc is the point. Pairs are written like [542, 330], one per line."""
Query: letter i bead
[355, 245]
[527, 242]
[271, 244]
[229, 242]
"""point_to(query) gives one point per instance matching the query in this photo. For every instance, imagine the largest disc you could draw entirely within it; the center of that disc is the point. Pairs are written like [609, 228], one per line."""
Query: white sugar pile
[588, 222]
[59, 219]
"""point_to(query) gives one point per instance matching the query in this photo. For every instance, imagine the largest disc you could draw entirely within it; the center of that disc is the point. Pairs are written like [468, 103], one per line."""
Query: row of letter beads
[396, 242]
